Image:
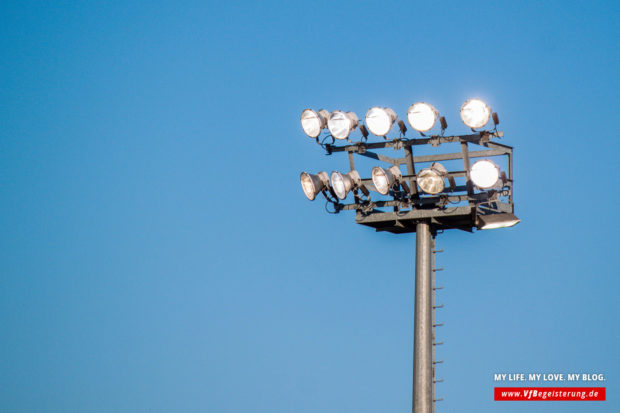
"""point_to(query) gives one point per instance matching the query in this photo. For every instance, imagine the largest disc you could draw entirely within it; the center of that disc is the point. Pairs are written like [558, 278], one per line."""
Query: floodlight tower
[426, 199]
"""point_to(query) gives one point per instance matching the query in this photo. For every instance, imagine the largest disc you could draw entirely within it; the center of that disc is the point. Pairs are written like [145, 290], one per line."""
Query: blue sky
[157, 253]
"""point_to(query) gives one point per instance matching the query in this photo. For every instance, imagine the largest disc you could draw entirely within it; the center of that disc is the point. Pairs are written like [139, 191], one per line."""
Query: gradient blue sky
[157, 253]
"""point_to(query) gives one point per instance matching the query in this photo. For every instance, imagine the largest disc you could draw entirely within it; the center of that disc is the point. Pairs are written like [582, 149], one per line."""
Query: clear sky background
[156, 250]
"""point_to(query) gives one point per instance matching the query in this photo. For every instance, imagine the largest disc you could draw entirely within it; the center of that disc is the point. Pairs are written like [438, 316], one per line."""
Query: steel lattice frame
[409, 208]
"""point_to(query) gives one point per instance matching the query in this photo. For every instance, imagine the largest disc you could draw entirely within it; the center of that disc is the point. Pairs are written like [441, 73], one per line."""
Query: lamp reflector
[343, 183]
[495, 221]
[484, 174]
[431, 180]
[422, 116]
[384, 179]
[313, 184]
[313, 122]
[340, 124]
[380, 120]
[475, 113]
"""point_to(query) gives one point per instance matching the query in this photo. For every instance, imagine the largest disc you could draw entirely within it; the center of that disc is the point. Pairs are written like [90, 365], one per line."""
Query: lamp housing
[380, 120]
[484, 174]
[432, 179]
[313, 184]
[340, 124]
[384, 179]
[494, 221]
[422, 116]
[313, 122]
[343, 183]
[475, 113]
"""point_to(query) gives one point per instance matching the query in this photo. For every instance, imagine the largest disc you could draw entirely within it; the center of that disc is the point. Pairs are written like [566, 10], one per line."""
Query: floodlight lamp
[380, 120]
[484, 174]
[495, 221]
[475, 113]
[313, 122]
[313, 184]
[432, 180]
[384, 179]
[343, 183]
[340, 124]
[422, 116]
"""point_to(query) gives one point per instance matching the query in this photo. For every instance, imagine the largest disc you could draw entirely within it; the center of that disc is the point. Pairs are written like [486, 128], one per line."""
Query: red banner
[549, 393]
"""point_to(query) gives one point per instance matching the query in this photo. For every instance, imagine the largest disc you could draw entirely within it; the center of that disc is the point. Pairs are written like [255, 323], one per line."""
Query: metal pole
[422, 329]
